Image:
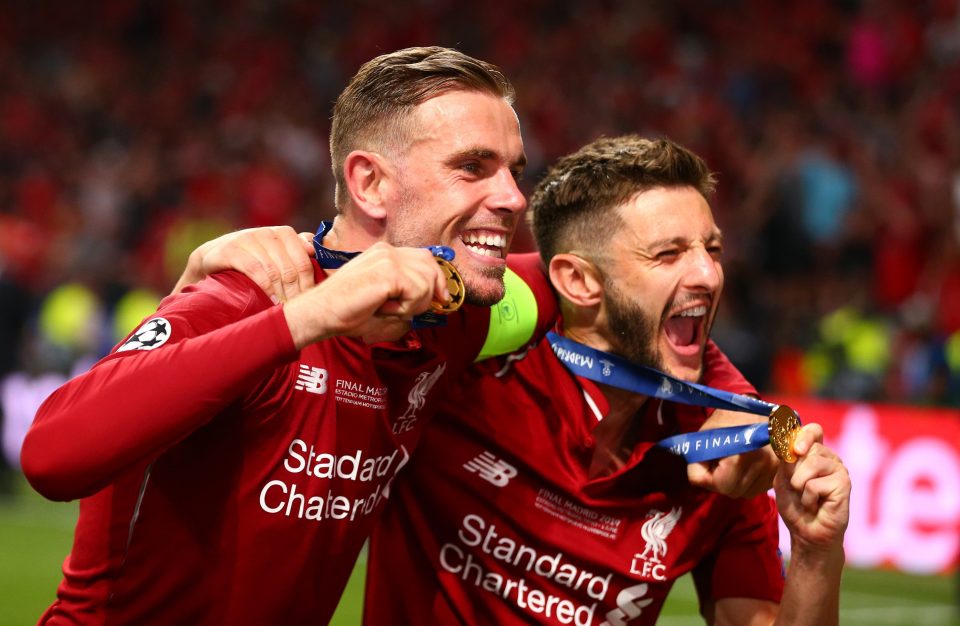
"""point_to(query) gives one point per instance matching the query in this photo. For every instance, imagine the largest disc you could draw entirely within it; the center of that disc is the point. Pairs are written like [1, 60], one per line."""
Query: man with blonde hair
[232, 454]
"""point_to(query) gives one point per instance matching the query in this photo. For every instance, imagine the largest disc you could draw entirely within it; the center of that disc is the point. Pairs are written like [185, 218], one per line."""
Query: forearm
[813, 499]
[811, 595]
[133, 406]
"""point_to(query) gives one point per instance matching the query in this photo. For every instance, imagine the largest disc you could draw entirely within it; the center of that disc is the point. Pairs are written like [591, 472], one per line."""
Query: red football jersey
[497, 520]
[229, 478]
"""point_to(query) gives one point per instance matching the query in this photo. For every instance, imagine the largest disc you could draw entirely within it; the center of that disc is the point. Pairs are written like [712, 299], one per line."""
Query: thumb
[699, 475]
[307, 240]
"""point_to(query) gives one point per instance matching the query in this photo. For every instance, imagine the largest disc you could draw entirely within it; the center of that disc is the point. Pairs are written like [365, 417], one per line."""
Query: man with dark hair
[541, 495]
[579, 219]
[231, 454]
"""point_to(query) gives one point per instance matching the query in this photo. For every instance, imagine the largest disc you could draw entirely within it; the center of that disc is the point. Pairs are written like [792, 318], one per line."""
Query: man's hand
[373, 296]
[274, 257]
[739, 476]
[813, 494]
[813, 498]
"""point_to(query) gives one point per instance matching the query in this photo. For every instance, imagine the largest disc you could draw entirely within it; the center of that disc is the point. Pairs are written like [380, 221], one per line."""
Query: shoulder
[527, 265]
[720, 373]
[217, 300]
[525, 272]
[223, 292]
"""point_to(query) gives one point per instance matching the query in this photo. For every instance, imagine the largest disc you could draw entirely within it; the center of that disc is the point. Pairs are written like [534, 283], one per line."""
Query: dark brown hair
[573, 206]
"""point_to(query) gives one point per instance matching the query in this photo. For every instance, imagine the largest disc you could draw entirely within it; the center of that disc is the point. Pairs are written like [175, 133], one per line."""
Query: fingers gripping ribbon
[329, 258]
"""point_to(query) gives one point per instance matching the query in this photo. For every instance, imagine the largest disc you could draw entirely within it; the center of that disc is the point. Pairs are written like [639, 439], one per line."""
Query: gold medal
[458, 291]
[784, 426]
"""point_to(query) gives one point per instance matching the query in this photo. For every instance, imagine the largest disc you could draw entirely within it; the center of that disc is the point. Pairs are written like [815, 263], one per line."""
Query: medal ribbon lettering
[705, 445]
[331, 259]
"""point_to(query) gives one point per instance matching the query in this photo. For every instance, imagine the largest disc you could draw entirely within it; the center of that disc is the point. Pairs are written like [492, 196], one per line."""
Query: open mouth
[485, 243]
[684, 329]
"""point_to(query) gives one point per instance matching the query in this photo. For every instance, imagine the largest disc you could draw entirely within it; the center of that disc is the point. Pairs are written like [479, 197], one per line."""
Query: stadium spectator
[110, 113]
[113, 114]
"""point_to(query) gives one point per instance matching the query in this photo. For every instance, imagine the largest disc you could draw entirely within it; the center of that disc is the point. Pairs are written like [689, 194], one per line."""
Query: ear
[369, 177]
[576, 279]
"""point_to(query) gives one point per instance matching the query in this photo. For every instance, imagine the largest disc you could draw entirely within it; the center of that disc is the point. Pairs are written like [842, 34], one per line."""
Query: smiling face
[458, 186]
[663, 280]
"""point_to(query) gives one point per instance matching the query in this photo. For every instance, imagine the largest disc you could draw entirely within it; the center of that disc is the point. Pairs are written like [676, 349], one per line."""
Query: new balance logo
[488, 467]
[312, 380]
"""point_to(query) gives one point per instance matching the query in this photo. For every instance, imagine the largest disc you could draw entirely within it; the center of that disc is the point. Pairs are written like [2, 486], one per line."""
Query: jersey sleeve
[747, 562]
[720, 373]
[527, 311]
[202, 350]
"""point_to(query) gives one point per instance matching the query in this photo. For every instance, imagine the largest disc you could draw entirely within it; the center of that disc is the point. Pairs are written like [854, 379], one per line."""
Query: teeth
[485, 239]
[495, 253]
[696, 311]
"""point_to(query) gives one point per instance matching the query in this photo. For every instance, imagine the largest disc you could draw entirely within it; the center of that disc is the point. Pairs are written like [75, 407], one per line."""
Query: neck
[616, 435]
[583, 325]
[353, 234]
[585, 331]
[623, 404]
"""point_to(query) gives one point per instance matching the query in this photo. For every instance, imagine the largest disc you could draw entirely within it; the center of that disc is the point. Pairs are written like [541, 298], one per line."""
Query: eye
[670, 254]
[715, 250]
[471, 167]
[517, 174]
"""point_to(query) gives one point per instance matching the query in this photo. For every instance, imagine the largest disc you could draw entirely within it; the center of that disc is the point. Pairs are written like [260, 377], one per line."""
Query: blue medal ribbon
[707, 445]
[331, 259]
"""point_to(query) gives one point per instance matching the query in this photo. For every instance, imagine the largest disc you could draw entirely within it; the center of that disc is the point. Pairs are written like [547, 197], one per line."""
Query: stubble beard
[632, 331]
[492, 279]
[484, 285]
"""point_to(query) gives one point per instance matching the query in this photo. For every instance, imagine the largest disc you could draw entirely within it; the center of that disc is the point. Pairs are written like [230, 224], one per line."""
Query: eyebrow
[715, 237]
[487, 155]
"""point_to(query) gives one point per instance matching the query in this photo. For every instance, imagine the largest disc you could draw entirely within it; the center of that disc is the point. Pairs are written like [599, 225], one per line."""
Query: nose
[704, 270]
[506, 195]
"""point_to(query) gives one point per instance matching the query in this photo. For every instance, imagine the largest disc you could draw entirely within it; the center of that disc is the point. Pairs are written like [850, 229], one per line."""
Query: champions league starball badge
[784, 426]
[458, 291]
[150, 336]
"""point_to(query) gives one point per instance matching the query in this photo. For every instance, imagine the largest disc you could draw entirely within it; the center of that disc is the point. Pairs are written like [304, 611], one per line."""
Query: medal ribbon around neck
[705, 445]
[331, 259]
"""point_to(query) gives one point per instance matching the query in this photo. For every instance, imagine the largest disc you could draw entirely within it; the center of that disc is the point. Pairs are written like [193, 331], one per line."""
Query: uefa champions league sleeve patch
[153, 334]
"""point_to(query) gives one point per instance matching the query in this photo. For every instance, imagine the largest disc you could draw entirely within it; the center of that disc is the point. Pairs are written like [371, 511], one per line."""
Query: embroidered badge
[153, 334]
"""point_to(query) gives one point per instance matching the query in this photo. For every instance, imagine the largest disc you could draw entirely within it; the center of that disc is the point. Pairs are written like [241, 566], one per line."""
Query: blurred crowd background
[130, 132]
